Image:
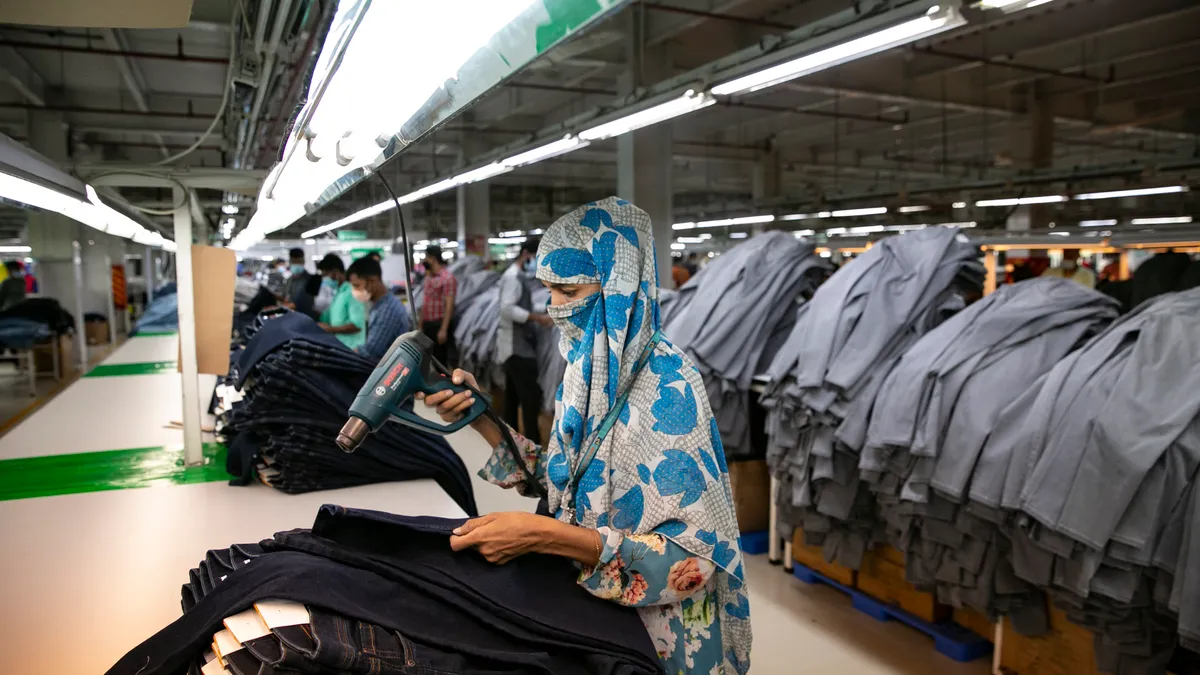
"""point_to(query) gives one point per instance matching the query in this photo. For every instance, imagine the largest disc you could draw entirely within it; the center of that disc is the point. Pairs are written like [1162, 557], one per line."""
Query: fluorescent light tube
[850, 213]
[1060, 234]
[506, 240]
[352, 218]
[683, 226]
[1021, 201]
[935, 21]
[835, 230]
[798, 216]
[677, 247]
[548, 151]
[917, 208]
[869, 229]
[744, 220]
[904, 228]
[690, 240]
[689, 102]
[511, 233]
[1177, 220]
[482, 173]
[825, 214]
[1107, 222]
[15, 249]
[738, 235]
[803, 233]
[229, 209]
[958, 205]
[1140, 192]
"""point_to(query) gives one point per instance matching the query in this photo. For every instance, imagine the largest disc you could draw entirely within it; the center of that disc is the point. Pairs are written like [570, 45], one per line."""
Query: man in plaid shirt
[437, 309]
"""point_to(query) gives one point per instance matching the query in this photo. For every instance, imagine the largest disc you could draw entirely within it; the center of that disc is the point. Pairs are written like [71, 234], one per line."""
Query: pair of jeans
[521, 391]
[370, 576]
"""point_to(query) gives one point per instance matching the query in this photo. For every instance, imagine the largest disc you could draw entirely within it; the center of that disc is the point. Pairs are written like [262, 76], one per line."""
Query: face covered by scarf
[662, 467]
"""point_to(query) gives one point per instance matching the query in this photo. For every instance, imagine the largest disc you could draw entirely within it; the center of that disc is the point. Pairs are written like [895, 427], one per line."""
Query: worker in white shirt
[515, 344]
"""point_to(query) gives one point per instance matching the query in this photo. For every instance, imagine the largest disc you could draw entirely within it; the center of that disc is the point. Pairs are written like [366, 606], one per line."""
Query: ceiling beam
[131, 75]
[15, 70]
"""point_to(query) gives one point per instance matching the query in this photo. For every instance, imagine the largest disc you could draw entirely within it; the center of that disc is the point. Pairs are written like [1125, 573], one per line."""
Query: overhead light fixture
[537, 231]
[1173, 220]
[916, 208]
[229, 209]
[482, 173]
[962, 226]
[548, 151]
[904, 228]
[1060, 234]
[835, 230]
[1021, 201]
[936, 20]
[851, 213]
[683, 226]
[798, 216]
[511, 233]
[16, 249]
[1107, 222]
[677, 246]
[803, 233]
[689, 102]
[738, 235]
[1139, 192]
[506, 240]
[868, 229]
[825, 214]
[690, 240]
[1009, 6]
[744, 220]
[958, 205]
[266, 258]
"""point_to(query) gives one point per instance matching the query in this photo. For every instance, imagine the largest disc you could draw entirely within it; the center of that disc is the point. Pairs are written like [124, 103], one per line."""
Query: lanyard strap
[610, 420]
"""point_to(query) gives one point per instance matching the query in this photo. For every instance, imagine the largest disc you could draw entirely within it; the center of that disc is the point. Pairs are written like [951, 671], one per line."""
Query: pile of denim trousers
[731, 317]
[386, 594]
[297, 383]
[18, 333]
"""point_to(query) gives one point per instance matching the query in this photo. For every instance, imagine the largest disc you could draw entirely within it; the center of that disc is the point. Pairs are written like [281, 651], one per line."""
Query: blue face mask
[329, 283]
[530, 266]
[297, 269]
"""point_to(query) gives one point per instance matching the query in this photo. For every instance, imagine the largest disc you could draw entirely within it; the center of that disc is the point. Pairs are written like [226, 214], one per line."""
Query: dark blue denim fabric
[298, 383]
[386, 594]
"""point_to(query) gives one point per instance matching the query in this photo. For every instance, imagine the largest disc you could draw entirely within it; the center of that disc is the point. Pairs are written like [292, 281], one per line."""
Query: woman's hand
[500, 537]
[451, 405]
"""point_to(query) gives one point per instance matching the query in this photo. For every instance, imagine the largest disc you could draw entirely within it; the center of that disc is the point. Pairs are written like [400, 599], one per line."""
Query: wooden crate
[812, 558]
[882, 577]
[1066, 649]
[976, 622]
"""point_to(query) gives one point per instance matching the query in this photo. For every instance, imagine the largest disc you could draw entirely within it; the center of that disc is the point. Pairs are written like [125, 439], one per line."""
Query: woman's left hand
[500, 537]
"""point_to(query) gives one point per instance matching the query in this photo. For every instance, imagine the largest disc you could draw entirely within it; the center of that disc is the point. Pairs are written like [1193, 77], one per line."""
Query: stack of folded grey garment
[726, 316]
[932, 416]
[1091, 473]
[824, 380]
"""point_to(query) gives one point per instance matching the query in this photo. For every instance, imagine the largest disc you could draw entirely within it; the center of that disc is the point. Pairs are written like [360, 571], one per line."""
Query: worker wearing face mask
[345, 316]
[297, 294]
[516, 346]
[387, 318]
[1071, 269]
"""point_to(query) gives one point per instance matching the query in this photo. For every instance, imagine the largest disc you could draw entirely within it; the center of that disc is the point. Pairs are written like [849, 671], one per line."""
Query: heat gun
[406, 369]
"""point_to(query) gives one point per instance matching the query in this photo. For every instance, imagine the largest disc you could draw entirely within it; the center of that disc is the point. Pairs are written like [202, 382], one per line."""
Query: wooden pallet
[882, 577]
[813, 558]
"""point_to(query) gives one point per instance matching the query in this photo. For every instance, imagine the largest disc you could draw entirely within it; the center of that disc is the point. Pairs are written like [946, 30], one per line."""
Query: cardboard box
[751, 483]
[43, 357]
[96, 331]
[214, 274]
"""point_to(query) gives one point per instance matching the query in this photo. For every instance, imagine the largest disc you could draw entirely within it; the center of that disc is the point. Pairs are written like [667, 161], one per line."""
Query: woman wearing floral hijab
[635, 472]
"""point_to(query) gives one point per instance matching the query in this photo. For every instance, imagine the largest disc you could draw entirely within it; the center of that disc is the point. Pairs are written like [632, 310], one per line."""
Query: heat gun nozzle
[353, 432]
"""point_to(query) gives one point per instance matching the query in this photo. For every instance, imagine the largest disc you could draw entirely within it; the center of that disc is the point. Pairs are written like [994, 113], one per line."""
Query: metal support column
[773, 541]
[148, 274]
[80, 325]
[192, 440]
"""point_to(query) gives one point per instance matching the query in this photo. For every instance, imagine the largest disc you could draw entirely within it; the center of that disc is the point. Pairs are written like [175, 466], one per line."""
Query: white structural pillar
[192, 440]
[80, 324]
[474, 203]
[148, 274]
[767, 188]
[644, 157]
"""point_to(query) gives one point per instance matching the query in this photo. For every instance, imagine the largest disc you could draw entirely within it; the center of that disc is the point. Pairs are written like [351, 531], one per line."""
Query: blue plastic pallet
[949, 638]
[754, 543]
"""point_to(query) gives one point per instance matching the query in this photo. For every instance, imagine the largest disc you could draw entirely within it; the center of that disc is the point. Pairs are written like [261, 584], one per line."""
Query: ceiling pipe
[556, 87]
[260, 95]
[745, 20]
[123, 53]
[260, 25]
[84, 110]
[311, 51]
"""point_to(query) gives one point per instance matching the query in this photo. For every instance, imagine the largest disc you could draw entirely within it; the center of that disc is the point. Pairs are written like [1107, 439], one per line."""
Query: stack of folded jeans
[385, 594]
[297, 383]
[824, 380]
[18, 333]
[932, 416]
[46, 311]
[161, 315]
[726, 315]
[1091, 474]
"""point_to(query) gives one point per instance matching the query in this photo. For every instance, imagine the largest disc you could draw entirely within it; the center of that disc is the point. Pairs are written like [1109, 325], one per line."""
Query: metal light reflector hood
[391, 71]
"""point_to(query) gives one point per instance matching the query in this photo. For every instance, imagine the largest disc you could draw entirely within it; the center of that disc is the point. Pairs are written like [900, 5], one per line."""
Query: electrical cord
[147, 174]
[532, 486]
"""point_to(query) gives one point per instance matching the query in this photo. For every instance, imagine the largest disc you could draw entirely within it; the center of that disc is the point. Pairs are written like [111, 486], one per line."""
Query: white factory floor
[104, 563]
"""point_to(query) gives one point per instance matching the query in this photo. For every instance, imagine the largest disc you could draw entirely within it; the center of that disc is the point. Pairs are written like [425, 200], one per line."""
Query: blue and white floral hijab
[662, 467]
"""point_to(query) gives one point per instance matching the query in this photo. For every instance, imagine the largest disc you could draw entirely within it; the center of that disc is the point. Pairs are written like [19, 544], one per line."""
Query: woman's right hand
[451, 405]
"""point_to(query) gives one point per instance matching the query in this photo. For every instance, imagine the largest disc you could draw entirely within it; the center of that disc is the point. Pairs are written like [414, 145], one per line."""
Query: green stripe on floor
[30, 477]
[118, 369]
[156, 333]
